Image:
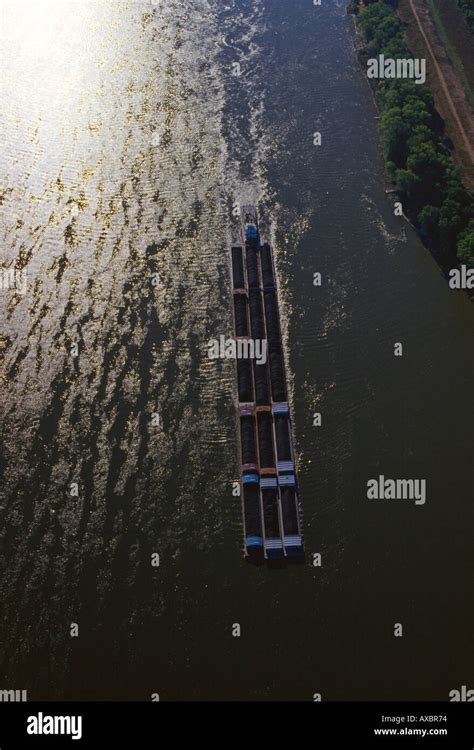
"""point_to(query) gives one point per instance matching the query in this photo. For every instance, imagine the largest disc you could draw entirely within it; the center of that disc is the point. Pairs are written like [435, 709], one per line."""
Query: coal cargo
[277, 373]
[238, 268]
[253, 518]
[267, 265]
[270, 513]
[272, 317]
[282, 436]
[245, 382]
[265, 440]
[262, 385]
[248, 440]
[257, 320]
[252, 265]
[240, 315]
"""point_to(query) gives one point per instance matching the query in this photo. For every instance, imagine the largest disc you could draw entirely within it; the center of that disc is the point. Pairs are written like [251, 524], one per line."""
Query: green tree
[428, 219]
[416, 153]
[394, 133]
[406, 181]
[420, 134]
[415, 113]
[465, 248]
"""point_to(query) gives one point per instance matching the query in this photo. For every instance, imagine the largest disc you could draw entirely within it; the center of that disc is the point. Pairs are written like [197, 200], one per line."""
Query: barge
[269, 487]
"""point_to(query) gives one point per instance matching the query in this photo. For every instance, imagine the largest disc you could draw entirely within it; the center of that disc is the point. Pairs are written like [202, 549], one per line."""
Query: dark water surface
[127, 141]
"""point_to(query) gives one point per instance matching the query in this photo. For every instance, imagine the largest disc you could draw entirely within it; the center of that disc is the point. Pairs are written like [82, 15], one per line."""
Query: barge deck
[269, 487]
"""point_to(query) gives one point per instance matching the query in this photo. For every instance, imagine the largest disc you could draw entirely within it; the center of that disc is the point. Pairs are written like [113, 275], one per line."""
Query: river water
[129, 134]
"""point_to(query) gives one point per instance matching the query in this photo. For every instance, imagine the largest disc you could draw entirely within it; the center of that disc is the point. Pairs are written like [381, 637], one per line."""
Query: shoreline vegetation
[467, 9]
[416, 150]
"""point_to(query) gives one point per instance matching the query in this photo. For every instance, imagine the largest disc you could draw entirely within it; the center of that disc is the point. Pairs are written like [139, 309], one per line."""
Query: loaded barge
[269, 488]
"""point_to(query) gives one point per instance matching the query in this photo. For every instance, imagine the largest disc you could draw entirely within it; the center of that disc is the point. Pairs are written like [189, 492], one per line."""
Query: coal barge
[269, 488]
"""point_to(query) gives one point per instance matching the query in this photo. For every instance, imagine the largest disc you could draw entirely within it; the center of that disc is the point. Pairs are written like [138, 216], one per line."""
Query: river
[131, 130]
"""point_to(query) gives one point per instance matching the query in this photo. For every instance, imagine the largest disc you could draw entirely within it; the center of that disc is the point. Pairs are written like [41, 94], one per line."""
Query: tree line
[417, 153]
[467, 9]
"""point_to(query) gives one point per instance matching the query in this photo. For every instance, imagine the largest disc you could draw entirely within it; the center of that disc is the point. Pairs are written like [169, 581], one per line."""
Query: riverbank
[447, 76]
[457, 39]
[418, 155]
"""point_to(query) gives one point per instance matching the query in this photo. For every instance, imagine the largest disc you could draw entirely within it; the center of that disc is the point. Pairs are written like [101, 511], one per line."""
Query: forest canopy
[417, 155]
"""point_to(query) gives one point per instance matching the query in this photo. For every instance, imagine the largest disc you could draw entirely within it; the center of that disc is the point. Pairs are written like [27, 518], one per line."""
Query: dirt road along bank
[450, 96]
